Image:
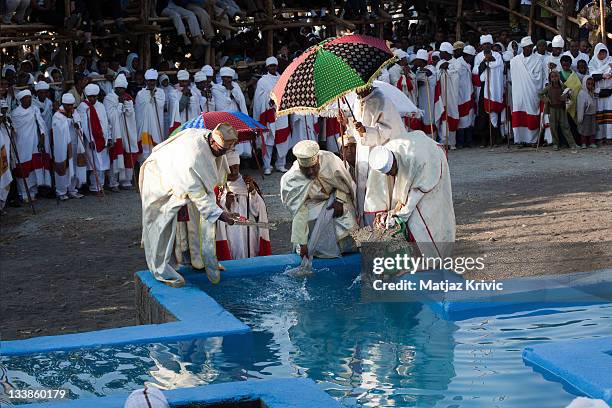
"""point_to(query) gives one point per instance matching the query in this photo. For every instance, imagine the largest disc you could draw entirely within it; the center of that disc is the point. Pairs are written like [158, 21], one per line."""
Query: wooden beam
[459, 18]
[342, 22]
[506, 9]
[531, 18]
[557, 13]
[602, 16]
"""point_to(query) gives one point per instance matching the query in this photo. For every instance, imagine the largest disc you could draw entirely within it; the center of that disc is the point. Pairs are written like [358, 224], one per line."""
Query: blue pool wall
[279, 393]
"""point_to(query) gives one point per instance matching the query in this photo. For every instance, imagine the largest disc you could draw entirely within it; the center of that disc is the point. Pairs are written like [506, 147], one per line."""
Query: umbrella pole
[254, 152]
[341, 132]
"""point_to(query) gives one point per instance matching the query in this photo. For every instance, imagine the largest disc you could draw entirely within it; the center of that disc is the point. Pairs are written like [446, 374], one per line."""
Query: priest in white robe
[317, 182]
[167, 184]
[446, 105]
[186, 100]
[528, 79]
[264, 111]
[31, 142]
[124, 134]
[242, 196]
[229, 98]
[98, 138]
[401, 76]
[70, 162]
[465, 96]
[150, 114]
[600, 67]
[553, 61]
[426, 82]
[203, 90]
[422, 195]
[44, 104]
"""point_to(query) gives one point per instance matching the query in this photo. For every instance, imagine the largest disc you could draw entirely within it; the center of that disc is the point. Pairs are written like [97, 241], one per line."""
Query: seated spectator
[18, 8]
[173, 10]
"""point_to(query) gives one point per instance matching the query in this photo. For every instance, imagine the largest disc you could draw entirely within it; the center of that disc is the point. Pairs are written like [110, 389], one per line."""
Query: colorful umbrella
[329, 70]
[243, 123]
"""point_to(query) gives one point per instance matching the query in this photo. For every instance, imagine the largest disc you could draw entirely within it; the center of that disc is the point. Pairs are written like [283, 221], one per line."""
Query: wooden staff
[154, 100]
[446, 110]
[429, 105]
[485, 105]
[14, 147]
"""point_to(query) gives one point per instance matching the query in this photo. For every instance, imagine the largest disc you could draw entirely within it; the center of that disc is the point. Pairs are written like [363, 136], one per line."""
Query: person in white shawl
[43, 103]
[264, 111]
[316, 183]
[32, 145]
[426, 81]
[528, 79]
[242, 196]
[446, 106]
[164, 84]
[203, 90]
[150, 104]
[229, 98]
[401, 76]
[6, 176]
[122, 120]
[98, 137]
[600, 68]
[489, 70]
[186, 101]
[422, 194]
[70, 163]
[167, 184]
[465, 96]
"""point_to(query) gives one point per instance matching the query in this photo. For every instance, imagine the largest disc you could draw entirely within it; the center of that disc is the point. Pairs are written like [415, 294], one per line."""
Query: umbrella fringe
[316, 111]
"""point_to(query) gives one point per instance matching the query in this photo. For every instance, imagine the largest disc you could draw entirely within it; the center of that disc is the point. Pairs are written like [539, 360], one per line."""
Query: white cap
[182, 75]
[208, 70]
[400, 54]
[199, 77]
[381, 159]
[470, 50]
[163, 77]
[446, 47]
[227, 72]
[41, 86]
[558, 42]
[422, 54]
[271, 61]
[526, 41]
[23, 94]
[223, 133]
[151, 74]
[486, 39]
[435, 54]
[232, 158]
[120, 81]
[146, 398]
[306, 152]
[68, 99]
[92, 90]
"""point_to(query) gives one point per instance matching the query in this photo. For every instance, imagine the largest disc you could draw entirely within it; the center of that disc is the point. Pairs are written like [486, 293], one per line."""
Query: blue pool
[364, 354]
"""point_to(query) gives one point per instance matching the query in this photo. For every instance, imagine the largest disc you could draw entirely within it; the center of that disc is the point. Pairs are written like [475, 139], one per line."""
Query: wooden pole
[69, 67]
[459, 18]
[270, 34]
[531, 17]
[602, 16]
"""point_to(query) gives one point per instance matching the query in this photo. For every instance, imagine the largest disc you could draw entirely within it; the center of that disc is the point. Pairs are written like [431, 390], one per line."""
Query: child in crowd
[555, 100]
[585, 113]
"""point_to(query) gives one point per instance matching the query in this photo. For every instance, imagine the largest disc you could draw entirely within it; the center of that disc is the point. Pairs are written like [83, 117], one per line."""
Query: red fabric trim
[39, 161]
[183, 214]
[317, 128]
[223, 251]
[173, 127]
[281, 135]
[497, 107]
[267, 117]
[116, 150]
[95, 127]
[265, 248]
[332, 127]
[476, 80]
[465, 108]
[523, 119]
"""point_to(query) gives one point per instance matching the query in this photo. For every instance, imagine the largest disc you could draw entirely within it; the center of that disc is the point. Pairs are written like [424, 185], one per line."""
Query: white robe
[124, 134]
[192, 110]
[494, 91]
[98, 156]
[46, 111]
[150, 119]
[422, 194]
[167, 184]
[528, 78]
[604, 105]
[427, 90]
[405, 81]
[232, 101]
[446, 102]
[465, 93]
[28, 123]
[68, 151]
[303, 127]
[6, 176]
[264, 111]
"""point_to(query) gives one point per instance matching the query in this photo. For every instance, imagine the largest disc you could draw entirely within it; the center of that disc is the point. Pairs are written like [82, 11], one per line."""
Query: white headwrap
[120, 81]
[306, 152]
[469, 50]
[400, 54]
[381, 159]
[227, 72]
[92, 90]
[446, 47]
[41, 86]
[486, 39]
[271, 61]
[68, 99]
[129, 60]
[182, 75]
[151, 74]
[422, 55]
[163, 77]
[526, 42]
[597, 66]
[199, 77]
[232, 158]
[23, 94]
[208, 70]
[558, 42]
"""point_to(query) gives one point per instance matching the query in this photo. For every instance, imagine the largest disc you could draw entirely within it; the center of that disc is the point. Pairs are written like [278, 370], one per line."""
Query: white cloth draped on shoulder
[6, 177]
[446, 106]
[494, 90]
[68, 153]
[528, 78]
[124, 133]
[150, 119]
[604, 104]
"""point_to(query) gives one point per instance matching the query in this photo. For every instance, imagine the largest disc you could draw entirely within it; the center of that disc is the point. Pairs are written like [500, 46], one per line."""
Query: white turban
[232, 158]
[470, 50]
[422, 55]
[306, 152]
[199, 77]
[381, 159]
[271, 61]
[146, 398]
[208, 70]
[120, 81]
[182, 75]
[151, 74]
[68, 99]
[446, 47]
[526, 42]
[400, 54]
[223, 133]
[41, 86]
[486, 39]
[227, 72]
[435, 54]
[163, 77]
[558, 42]
[23, 94]
[92, 90]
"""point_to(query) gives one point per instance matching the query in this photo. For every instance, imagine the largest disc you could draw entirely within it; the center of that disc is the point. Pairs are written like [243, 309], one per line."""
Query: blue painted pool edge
[581, 365]
[278, 393]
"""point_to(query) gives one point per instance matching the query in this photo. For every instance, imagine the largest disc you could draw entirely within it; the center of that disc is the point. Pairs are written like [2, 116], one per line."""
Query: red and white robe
[95, 129]
[426, 80]
[332, 133]
[264, 112]
[5, 165]
[465, 94]
[405, 81]
[150, 119]
[245, 241]
[528, 78]
[192, 110]
[446, 107]
[124, 153]
[494, 90]
[35, 165]
[303, 127]
[68, 153]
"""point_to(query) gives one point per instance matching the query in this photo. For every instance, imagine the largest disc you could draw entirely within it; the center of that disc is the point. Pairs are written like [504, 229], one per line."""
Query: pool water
[364, 354]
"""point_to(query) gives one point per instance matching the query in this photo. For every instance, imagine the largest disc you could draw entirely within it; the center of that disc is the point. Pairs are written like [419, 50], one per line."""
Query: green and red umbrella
[329, 70]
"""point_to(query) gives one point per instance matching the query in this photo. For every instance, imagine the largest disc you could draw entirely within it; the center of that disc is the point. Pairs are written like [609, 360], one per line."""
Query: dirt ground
[70, 268]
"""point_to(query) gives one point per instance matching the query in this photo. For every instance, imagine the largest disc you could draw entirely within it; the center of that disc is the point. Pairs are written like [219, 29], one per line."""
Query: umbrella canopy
[329, 70]
[405, 107]
[243, 124]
